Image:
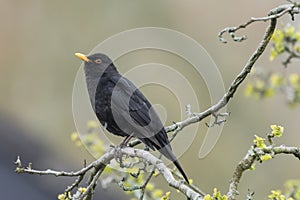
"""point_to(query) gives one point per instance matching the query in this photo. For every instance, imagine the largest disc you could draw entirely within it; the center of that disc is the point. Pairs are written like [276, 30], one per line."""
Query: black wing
[135, 115]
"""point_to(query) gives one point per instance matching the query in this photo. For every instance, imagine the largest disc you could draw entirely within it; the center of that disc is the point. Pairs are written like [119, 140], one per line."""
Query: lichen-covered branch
[254, 154]
[99, 165]
[234, 85]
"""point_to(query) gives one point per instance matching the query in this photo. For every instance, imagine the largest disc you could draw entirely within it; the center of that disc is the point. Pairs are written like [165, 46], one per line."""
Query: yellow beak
[82, 57]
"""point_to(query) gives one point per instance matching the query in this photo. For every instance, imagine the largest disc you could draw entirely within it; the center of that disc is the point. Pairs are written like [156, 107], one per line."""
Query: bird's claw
[118, 153]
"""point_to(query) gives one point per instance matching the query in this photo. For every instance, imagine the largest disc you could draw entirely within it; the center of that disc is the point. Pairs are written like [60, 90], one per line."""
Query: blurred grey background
[38, 41]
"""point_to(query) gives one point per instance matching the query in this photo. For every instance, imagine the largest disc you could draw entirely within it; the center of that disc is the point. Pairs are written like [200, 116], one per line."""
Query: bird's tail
[167, 152]
[176, 163]
[165, 149]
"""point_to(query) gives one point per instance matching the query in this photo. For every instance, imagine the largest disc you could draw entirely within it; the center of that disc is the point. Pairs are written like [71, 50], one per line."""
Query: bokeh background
[38, 41]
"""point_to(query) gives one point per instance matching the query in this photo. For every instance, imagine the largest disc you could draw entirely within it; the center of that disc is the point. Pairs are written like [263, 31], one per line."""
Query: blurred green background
[38, 67]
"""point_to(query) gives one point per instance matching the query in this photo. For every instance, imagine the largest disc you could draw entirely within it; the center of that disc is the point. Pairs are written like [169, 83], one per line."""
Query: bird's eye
[98, 61]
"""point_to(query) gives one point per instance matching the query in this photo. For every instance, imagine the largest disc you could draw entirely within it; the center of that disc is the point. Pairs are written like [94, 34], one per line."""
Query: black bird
[122, 109]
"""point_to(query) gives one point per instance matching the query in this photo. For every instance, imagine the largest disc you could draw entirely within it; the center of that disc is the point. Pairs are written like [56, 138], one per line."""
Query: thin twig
[273, 14]
[146, 183]
[88, 195]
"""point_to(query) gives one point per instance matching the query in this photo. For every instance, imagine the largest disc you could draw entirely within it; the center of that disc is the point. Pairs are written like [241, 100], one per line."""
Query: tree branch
[252, 156]
[234, 85]
[99, 165]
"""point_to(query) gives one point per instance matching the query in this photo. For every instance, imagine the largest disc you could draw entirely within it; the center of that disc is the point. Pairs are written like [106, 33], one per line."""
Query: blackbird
[121, 107]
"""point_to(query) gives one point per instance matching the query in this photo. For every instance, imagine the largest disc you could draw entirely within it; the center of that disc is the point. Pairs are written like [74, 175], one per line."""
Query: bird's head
[96, 64]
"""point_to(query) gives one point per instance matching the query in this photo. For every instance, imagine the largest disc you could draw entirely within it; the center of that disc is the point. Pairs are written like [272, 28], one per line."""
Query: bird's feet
[118, 153]
[118, 149]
